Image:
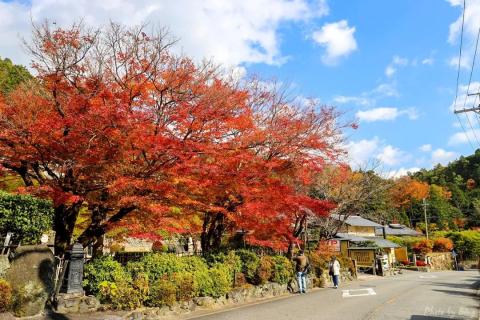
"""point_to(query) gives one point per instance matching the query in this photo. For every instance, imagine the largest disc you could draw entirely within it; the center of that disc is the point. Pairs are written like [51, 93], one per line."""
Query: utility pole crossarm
[476, 109]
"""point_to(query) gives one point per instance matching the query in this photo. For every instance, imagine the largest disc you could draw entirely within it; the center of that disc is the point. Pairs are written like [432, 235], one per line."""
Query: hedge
[162, 279]
[26, 216]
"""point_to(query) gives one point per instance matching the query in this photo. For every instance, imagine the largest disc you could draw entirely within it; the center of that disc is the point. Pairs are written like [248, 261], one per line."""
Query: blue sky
[389, 64]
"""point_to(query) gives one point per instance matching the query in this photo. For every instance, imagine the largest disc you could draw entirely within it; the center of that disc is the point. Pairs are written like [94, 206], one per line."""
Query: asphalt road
[412, 296]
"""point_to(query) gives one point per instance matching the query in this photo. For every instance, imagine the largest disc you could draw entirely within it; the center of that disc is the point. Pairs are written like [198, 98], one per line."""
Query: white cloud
[360, 152]
[373, 151]
[426, 148]
[428, 61]
[230, 32]
[385, 90]
[400, 61]
[377, 114]
[464, 137]
[391, 156]
[401, 172]
[464, 62]
[470, 29]
[442, 156]
[338, 40]
[390, 71]
[369, 98]
[362, 101]
[381, 114]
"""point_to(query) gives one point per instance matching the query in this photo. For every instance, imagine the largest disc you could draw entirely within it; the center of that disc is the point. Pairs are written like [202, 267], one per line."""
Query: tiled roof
[380, 242]
[397, 230]
[356, 221]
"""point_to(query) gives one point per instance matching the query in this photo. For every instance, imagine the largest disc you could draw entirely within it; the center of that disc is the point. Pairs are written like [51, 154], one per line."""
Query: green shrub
[230, 259]
[203, 282]
[5, 295]
[194, 263]
[162, 293]
[250, 262]
[222, 280]
[282, 270]
[264, 271]
[27, 217]
[120, 295]
[100, 270]
[159, 265]
[186, 287]
[466, 243]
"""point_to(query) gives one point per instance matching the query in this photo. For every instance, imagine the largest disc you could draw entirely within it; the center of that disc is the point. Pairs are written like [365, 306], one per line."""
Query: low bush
[423, 246]
[282, 270]
[264, 271]
[185, 286]
[120, 295]
[222, 280]
[318, 262]
[158, 265]
[203, 282]
[101, 270]
[5, 295]
[442, 245]
[163, 292]
[466, 243]
[404, 262]
[421, 263]
[250, 262]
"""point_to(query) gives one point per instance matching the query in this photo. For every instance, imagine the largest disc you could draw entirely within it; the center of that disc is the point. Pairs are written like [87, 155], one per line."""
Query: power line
[468, 87]
[458, 78]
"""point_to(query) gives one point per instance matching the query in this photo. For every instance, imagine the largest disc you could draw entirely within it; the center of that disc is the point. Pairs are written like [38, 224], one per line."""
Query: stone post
[73, 282]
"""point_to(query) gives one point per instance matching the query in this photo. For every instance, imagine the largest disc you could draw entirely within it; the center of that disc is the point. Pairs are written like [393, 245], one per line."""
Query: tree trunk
[64, 224]
[97, 228]
[212, 231]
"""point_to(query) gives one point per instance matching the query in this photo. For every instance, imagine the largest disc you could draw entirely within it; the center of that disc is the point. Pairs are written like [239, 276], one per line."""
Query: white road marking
[428, 277]
[358, 293]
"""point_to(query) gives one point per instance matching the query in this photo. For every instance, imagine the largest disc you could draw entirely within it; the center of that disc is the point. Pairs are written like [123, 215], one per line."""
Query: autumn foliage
[151, 141]
[407, 190]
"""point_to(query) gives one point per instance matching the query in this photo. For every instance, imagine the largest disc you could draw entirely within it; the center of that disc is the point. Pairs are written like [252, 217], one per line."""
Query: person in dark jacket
[301, 268]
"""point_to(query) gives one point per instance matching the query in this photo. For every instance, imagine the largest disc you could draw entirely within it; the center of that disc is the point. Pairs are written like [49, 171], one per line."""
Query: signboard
[332, 244]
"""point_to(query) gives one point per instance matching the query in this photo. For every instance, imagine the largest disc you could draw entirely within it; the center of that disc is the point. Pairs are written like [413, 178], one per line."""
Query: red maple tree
[150, 140]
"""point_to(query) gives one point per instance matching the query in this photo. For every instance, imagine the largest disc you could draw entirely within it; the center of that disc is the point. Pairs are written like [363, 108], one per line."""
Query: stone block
[205, 302]
[31, 277]
[4, 265]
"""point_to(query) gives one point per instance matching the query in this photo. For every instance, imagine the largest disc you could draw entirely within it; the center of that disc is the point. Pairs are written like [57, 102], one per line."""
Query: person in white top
[334, 270]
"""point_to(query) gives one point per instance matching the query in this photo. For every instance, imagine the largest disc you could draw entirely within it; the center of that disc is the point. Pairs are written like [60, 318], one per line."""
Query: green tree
[11, 75]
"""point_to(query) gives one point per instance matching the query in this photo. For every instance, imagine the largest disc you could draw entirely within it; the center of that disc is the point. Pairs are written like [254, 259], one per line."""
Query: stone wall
[75, 303]
[237, 296]
[441, 261]
[240, 295]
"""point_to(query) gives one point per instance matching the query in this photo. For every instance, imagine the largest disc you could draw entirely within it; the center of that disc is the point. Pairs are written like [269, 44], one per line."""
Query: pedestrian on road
[301, 268]
[334, 270]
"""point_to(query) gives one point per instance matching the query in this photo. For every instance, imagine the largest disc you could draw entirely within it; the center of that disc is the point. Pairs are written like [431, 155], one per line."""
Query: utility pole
[474, 109]
[425, 204]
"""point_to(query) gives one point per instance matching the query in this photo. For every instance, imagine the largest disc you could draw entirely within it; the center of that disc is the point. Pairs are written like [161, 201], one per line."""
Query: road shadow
[52, 315]
[458, 293]
[419, 317]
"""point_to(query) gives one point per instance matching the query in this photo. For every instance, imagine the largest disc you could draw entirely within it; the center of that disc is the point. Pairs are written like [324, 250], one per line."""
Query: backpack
[308, 268]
